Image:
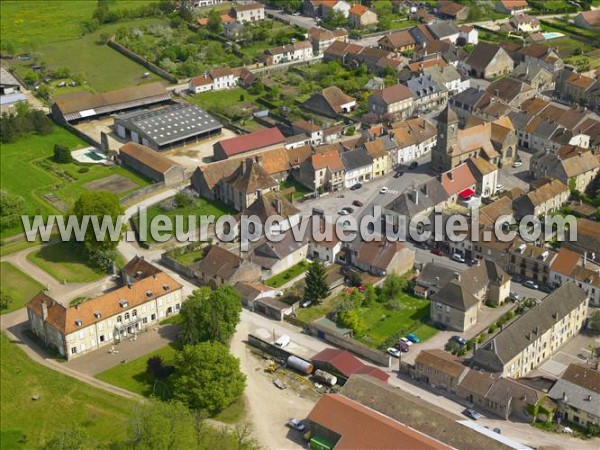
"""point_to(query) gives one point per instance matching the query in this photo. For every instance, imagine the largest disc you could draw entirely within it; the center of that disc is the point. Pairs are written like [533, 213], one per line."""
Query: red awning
[467, 193]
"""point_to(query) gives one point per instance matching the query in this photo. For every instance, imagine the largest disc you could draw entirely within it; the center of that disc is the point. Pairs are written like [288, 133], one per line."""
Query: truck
[325, 377]
[282, 341]
[300, 365]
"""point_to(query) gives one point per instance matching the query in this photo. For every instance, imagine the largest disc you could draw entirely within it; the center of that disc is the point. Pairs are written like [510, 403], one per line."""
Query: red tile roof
[458, 179]
[348, 364]
[252, 141]
[359, 9]
[565, 261]
[360, 427]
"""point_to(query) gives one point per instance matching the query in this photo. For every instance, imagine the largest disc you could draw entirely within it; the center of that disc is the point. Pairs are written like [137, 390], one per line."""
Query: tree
[103, 205]
[316, 288]
[351, 319]
[210, 315]
[207, 377]
[11, 208]
[594, 323]
[186, 10]
[215, 22]
[335, 19]
[370, 294]
[73, 437]
[392, 286]
[62, 154]
[5, 300]
[157, 425]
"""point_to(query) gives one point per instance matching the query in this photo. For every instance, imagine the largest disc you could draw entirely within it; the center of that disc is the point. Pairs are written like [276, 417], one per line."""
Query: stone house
[527, 260]
[570, 266]
[488, 61]
[322, 170]
[381, 157]
[414, 138]
[536, 335]
[381, 258]
[395, 100]
[428, 94]
[151, 164]
[331, 102]
[274, 257]
[588, 19]
[545, 196]
[220, 266]
[571, 165]
[358, 166]
[360, 16]
[249, 12]
[512, 6]
[439, 369]
[450, 10]
[577, 394]
[486, 176]
[399, 41]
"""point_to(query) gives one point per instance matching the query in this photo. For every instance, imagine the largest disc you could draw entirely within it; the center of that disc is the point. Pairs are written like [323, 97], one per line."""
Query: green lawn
[300, 188]
[18, 285]
[133, 375]
[190, 258]
[314, 312]
[64, 262]
[29, 424]
[21, 173]
[383, 323]
[233, 413]
[221, 99]
[199, 208]
[287, 275]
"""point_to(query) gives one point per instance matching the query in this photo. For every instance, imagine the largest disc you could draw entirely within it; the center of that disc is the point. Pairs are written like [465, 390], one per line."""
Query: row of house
[358, 15]
[239, 13]
[220, 79]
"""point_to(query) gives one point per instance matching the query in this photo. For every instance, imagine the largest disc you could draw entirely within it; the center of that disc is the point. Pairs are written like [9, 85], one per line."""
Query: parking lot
[576, 351]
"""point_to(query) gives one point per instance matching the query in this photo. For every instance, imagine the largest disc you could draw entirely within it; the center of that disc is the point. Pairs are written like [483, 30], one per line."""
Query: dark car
[349, 209]
[437, 251]
[413, 165]
[356, 187]
[398, 174]
[357, 203]
[472, 414]
[459, 340]
[546, 289]
[402, 346]
[440, 326]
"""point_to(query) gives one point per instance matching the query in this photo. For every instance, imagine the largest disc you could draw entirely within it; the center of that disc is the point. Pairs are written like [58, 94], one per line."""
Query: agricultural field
[62, 401]
[266, 34]
[27, 170]
[20, 286]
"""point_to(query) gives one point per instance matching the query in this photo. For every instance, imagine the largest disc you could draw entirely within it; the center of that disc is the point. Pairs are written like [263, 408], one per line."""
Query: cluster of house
[239, 13]
[220, 79]
[358, 15]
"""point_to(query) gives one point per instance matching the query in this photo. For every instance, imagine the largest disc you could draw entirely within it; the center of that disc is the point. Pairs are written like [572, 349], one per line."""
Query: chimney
[154, 276]
[450, 176]
[44, 311]
[425, 190]
[278, 206]
[497, 93]
[564, 396]
[584, 258]
[244, 167]
[457, 276]
[258, 159]
[416, 196]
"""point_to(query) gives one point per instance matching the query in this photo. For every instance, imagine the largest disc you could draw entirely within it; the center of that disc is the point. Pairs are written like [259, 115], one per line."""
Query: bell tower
[447, 129]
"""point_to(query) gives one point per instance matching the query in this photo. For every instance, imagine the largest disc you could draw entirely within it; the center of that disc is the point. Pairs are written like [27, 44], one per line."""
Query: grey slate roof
[507, 344]
[411, 203]
[356, 158]
[520, 119]
[423, 86]
[482, 55]
[169, 124]
[435, 274]
[455, 295]
[576, 396]
[443, 29]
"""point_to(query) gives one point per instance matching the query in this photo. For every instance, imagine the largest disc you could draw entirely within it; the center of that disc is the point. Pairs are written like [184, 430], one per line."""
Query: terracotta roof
[481, 166]
[489, 214]
[218, 262]
[269, 205]
[306, 126]
[221, 72]
[335, 97]
[94, 310]
[514, 4]
[458, 179]
[450, 8]
[394, 94]
[441, 361]
[477, 382]
[592, 17]
[331, 160]
[252, 141]
[298, 155]
[400, 39]
[358, 9]
[148, 157]
[249, 7]
[581, 81]
[201, 81]
[139, 268]
[378, 254]
[342, 415]
[347, 364]
[376, 148]
[251, 177]
[565, 261]
[418, 66]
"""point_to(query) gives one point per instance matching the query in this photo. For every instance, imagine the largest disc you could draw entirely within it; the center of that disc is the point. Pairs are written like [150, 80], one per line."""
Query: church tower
[447, 129]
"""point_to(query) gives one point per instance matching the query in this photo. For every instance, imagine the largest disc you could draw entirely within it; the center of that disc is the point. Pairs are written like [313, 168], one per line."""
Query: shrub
[84, 170]
[493, 328]
[62, 154]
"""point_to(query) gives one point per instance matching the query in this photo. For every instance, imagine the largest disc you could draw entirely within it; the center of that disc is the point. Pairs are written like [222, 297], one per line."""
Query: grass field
[287, 275]
[221, 99]
[190, 258]
[18, 285]
[64, 262]
[383, 323]
[300, 189]
[133, 375]
[33, 22]
[28, 424]
[20, 175]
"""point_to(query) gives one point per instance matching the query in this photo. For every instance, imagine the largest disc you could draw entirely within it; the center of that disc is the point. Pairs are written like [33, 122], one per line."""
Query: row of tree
[22, 122]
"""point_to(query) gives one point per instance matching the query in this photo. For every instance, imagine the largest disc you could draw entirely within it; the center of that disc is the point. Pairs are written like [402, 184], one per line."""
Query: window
[127, 316]
[102, 338]
[134, 313]
[145, 320]
[73, 350]
[153, 317]
[119, 319]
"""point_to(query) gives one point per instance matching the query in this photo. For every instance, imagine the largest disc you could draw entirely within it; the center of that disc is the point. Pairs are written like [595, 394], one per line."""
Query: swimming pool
[95, 156]
[552, 35]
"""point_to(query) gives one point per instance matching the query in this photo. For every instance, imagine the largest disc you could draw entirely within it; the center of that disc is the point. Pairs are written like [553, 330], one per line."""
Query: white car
[499, 187]
[394, 352]
[384, 190]
[343, 212]
[296, 424]
[406, 341]
[517, 164]
[458, 257]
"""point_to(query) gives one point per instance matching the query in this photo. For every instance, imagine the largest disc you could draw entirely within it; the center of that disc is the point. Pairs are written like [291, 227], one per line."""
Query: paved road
[302, 21]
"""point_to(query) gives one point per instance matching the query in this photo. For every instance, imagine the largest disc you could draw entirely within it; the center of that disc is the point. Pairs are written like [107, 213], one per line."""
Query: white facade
[224, 82]
[250, 15]
[403, 155]
[470, 37]
[358, 175]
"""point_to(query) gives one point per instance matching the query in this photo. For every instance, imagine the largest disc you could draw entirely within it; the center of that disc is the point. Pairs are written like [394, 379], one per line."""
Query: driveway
[302, 21]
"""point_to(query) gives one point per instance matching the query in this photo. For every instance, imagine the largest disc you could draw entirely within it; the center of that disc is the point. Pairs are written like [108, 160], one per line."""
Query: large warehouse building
[82, 105]
[165, 128]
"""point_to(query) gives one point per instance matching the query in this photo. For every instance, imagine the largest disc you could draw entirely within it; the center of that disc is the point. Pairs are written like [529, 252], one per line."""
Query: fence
[144, 62]
[82, 135]
[349, 344]
[175, 265]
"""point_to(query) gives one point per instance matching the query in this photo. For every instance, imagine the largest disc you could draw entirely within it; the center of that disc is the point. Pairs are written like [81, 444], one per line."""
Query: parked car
[306, 303]
[459, 340]
[472, 262]
[347, 208]
[413, 338]
[406, 341]
[356, 187]
[497, 430]
[514, 296]
[458, 257]
[413, 165]
[440, 326]
[398, 174]
[437, 251]
[296, 424]
[343, 212]
[545, 288]
[402, 346]
[472, 414]
[357, 203]
[517, 164]
[394, 352]
[384, 190]
[531, 284]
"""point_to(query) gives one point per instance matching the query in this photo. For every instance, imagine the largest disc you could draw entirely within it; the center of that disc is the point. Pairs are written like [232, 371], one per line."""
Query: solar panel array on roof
[171, 124]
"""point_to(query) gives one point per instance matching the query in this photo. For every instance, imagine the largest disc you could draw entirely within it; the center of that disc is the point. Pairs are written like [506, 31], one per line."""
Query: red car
[437, 251]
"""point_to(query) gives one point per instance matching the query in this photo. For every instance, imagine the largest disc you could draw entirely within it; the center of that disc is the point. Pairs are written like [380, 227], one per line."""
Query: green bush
[84, 170]
[62, 154]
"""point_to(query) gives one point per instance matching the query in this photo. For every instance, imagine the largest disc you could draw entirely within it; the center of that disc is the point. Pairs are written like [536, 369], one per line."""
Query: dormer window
[165, 287]
[149, 294]
[78, 322]
[97, 314]
[123, 303]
